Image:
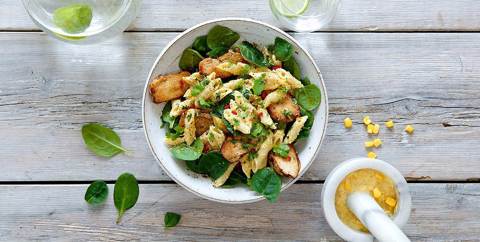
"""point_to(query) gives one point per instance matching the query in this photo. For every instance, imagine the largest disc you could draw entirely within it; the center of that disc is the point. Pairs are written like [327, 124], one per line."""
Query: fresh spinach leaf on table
[101, 140]
[96, 193]
[221, 36]
[282, 49]
[190, 59]
[171, 219]
[267, 183]
[125, 194]
[252, 54]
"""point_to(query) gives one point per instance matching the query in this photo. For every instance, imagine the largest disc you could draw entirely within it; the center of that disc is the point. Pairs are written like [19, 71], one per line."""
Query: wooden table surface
[416, 61]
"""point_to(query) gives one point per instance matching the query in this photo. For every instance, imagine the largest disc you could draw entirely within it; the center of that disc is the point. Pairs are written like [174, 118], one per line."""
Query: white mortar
[336, 176]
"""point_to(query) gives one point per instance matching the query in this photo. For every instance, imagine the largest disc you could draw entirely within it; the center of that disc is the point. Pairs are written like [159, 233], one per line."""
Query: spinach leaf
[189, 60]
[305, 81]
[204, 103]
[171, 219]
[258, 86]
[252, 54]
[200, 44]
[308, 97]
[267, 183]
[305, 131]
[221, 36]
[213, 164]
[218, 51]
[176, 132]
[218, 109]
[281, 150]
[101, 140]
[186, 152]
[282, 49]
[235, 178]
[125, 193]
[166, 118]
[96, 193]
[292, 66]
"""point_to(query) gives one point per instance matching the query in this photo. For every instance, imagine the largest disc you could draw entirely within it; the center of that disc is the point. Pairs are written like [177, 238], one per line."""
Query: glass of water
[82, 21]
[304, 15]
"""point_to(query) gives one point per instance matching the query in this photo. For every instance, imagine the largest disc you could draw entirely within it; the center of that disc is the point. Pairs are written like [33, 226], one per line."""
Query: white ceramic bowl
[167, 62]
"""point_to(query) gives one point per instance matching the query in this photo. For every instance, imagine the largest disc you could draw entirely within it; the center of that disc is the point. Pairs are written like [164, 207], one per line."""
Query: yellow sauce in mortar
[372, 181]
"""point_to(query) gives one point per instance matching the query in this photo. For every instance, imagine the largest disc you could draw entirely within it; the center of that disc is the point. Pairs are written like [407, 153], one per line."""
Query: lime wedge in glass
[291, 8]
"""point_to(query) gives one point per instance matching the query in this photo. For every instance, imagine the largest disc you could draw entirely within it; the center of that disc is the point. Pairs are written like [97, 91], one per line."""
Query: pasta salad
[235, 110]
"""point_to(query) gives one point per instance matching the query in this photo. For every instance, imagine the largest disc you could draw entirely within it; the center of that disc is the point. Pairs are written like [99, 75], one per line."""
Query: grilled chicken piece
[202, 123]
[284, 111]
[231, 56]
[286, 166]
[232, 150]
[168, 87]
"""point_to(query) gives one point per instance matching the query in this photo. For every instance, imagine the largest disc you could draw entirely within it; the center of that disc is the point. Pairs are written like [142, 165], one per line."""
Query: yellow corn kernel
[391, 202]
[369, 144]
[376, 193]
[366, 120]
[377, 143]
[409, 129]
[389, 124]
[370, 128]
[371, 155]
[376, 128]
[347, 123]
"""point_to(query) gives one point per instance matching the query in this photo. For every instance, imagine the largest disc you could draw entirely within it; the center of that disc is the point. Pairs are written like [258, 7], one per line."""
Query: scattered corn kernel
[347, 123]
[389, 124]
[391, 202]
[367, 120]
[377, 143]
[409, 129]
[371, 155]
[376, 128]
[369, 144]
[370, 128]
[376, 193]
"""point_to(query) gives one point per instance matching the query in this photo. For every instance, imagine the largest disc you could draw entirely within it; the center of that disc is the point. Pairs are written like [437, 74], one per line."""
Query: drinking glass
[109, 18]
[304, 15]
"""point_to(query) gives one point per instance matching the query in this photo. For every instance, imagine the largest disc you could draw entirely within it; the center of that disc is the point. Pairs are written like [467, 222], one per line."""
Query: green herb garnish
[281, 150]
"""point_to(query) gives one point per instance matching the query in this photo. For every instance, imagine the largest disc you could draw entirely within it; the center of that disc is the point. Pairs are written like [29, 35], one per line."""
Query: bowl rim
[285, 35]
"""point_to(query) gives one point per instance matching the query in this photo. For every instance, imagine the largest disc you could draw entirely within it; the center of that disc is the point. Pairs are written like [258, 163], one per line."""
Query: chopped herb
[204, 104]
[281, 150]
[258, 86]
[287, 112]
[236, 122]
[252, 156]
[258, 130]
[197, 89]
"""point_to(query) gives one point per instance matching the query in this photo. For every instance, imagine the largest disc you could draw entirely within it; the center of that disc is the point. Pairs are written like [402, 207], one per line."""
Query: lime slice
[291, 8]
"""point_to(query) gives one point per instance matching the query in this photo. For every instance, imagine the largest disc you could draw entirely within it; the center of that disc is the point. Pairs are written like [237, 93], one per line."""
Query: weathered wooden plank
[366, 15]
[48, 89]
[441, 212]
